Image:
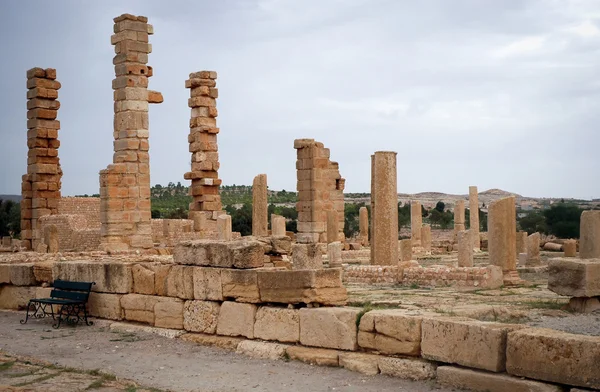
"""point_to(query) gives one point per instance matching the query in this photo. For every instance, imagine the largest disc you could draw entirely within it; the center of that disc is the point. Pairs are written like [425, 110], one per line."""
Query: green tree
[440, 206]
[534, 221]
[563, 220]
[10, 218]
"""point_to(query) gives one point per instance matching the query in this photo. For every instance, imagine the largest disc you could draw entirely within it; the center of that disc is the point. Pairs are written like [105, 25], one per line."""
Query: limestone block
[281, 245]
[224, 227]
[314, 356]
[584, 304]
[521, 241]
[207, 253]
[407, 368]
[106, 306]
[110, 277]
[139, 307]
[555, 356]
[465, 248]
[168, 313]
[302, 286]
[477, 380]
[502, 233]
[329, 327]
[426, 238]
[161, 273]
[262, 350]
[22, 275]
[278, 324]
[236, 319]
[180, 282]
[143, 280]
[306, 256]
[533, 249]
[570, 248]
[466, 342]
[207, 283]
[393, 331]
[589, 242]
[574, 277]
[384, 208]
[474, 217]
[201, 316]
[240, 285]
[259, 206]
[361, 363]
[334, 254]
[277, 225]
[5, 273]
[406, 249]
[247, 254]
[16, 297]
[41, 271]
[225, 342]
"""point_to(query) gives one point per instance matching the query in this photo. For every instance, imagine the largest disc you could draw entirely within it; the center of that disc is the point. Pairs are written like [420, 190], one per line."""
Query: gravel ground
[583, 324]
[172, 364]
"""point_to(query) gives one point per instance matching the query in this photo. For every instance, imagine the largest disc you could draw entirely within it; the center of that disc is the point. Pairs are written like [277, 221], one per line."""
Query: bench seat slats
[67, 285]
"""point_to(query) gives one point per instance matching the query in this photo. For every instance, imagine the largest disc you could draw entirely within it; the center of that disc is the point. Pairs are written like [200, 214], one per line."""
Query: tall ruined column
[384, 209]
[260, 213]
[416, 222]
[426, 238]
[459, 217]
[125, 184]
[320, 189]
[502, 232]
[474, 216]
[589, 246]
[206, 202]
[40, 189]
[363, 225]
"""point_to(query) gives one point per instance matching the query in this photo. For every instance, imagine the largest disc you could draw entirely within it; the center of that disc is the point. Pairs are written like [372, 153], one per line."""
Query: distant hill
[15, 198]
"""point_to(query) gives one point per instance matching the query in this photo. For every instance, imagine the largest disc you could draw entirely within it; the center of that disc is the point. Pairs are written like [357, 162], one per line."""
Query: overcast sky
[498, 94]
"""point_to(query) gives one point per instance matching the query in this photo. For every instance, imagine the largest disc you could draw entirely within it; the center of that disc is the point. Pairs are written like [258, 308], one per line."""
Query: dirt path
[172, 364]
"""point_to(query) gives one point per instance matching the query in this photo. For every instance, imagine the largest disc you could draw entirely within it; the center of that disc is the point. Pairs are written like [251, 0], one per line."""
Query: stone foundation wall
[88, 206]
[169, 232]
[74, 234]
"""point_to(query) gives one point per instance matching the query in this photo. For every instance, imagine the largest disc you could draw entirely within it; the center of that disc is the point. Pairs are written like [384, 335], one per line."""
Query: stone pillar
[465, 248]
[426, 238]
[332, 226]
[202, 140]
[320, 189]
[384, 209]
[416, 222]
[51, 238]
[533, 249]
[502, 222]
[334, 254]
[40, 188]
[570, 248]
[406, 250]
[474, 216]
[589, 235]
[260, 217]
[459, 217]
[363, 224]
[224, 227]
[125, 184]
[277, 225]
[521, 242]
[306, 256]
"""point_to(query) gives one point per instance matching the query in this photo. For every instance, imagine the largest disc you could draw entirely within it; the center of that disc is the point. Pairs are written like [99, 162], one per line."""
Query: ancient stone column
[465, 249]
[363, 225]
[260, 219]
[384, 209]
[589, 235]
[416, 222]
[224, 227]
[474, 216]
[334, 254]
[406, 250]
[306, 256]
[320, 189]
[51, 238]
[459, 217]
[570, 248]
[521, 242]
[502, 230]
[332, 226]
[277, 225]
[426, 238]
[533, 249]
[202, 141]
[40, 188]
[125, 184]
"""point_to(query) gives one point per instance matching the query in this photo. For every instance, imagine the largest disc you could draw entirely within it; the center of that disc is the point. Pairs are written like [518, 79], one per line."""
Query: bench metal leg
[38, 311]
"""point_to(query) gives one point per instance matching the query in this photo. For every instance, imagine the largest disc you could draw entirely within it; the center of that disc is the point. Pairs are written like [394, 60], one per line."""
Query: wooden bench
[70, 298]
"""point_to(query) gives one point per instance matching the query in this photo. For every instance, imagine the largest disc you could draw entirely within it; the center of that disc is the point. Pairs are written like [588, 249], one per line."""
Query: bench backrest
[76, 291]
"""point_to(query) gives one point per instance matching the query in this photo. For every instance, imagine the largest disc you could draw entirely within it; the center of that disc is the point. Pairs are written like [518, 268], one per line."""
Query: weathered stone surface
[16, 297]
[247, 254]
[363, 224]
[465, 248]
[42, 271]
[416, 222]
[533, 249]
[207, 283]
[201, 316]
[334, 254]
[307, 256]
[143, 280]
[236, 319]
[584, 304]
[329, 327]
[589, 240]
[361, 363]
[277, 225]
[259, 206]
[224, 227]
[574, 277]
[206, 253]
[262, 350]
[570, 248]
[384, 208]
[502, 234]
[281, 245]
[110, 277]
[139, 307]
[474, 216]
[406, 249]
[106, 306]
[314, 356]
[5, 273]
[240, 285]
[161, 274]
[426, 238]
[407, 368]
[556, 356]
[521, 243]
[302, 286]
[168, 313]
[22, 275]
[180, 282]
[466, 342]
[278, 324]
[225, 342]
[392, 331]
[477, 380]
